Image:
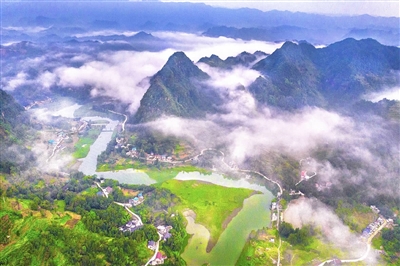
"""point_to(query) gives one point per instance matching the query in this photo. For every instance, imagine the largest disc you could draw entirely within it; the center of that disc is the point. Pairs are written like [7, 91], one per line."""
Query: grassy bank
[162, 175]
[159, 175]
[82, 147]
[211, 203]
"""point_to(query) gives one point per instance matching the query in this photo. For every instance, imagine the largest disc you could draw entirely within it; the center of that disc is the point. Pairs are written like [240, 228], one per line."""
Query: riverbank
[212, 204]
[234, 213]
[252, 216]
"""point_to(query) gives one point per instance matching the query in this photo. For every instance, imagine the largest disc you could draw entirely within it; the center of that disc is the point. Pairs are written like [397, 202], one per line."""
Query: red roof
[159, 255]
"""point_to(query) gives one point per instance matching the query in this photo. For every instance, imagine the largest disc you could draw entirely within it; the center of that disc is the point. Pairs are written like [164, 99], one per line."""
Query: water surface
[254, 215]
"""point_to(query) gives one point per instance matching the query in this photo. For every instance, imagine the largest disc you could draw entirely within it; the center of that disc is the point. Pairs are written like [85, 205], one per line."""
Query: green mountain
[9, 111]
[176, 90]
[14, 127]
[299, 74]
[290, 78]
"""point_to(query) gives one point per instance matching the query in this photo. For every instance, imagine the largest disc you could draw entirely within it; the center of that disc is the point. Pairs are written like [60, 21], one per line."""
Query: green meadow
[82, 147]
[170, 173]
[212, 204]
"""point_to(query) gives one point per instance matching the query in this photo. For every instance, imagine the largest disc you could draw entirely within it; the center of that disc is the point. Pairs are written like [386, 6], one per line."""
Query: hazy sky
[346, 7]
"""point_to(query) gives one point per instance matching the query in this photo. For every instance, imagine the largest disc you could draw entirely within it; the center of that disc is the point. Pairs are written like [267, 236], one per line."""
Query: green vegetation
[134, 149]
[158, 174]
[92, 110]
[262, 249]
[15, 130]
[316, 250]
[9, 111]
[356, 216]
[77, 227]
[296, 236]
[212, 204]
[297, 75]
[82, 147]
[101, 121]
[169, 173]
[154, 142]
[391, 244]
[173, 91]
[120, 164]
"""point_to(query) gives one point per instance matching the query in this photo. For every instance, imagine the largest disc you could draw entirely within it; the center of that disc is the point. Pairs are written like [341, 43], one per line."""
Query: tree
[285, 229]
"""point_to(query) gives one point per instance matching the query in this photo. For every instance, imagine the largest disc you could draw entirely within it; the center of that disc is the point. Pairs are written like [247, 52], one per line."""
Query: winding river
[89, 163]
[254, 215]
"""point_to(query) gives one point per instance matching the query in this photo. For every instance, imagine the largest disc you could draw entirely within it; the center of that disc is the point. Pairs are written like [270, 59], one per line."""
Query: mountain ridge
[299, 74]
[175, 90]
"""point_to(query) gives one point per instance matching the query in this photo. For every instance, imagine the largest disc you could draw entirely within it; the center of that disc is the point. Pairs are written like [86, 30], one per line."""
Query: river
[89, 163]
[254, 215]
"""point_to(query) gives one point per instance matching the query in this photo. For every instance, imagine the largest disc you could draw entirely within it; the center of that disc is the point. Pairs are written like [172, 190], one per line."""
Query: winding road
[155, 251]
[123, 123]
[102, 189]
[134, 214]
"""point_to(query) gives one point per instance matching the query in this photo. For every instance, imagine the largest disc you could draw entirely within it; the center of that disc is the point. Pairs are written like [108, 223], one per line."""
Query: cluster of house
[164, 231]
[165, 234]
[133, 152]
[136, 200]
[37, 103]
[375, 209]
[105, 192]
[323, 186]
[61, 136]
[372, 227]
[293, 192]
[303, 175]
[81, 126]
[233, 165]
[159, 259]
[274, 216]
[131, 226]
[336, 261]
[153, 157]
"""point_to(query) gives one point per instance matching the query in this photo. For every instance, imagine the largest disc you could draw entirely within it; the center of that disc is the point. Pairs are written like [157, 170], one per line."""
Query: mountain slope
[9, 111]
[340, 74]
[176, 90]
[290, 78]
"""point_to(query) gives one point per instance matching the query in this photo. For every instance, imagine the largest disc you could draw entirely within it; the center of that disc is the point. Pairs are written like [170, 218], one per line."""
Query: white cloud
[249, 134]
[46, 79]
[14, 82]
[230, 84]
[105, 33]
[26, 29]
[305, 211]
[230, 78]
[196, 46]
[390, 94]
[118, 75]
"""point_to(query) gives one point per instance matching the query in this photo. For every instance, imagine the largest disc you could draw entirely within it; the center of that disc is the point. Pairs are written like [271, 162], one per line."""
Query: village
[373, 228]
[131, 151]
[136, 223]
